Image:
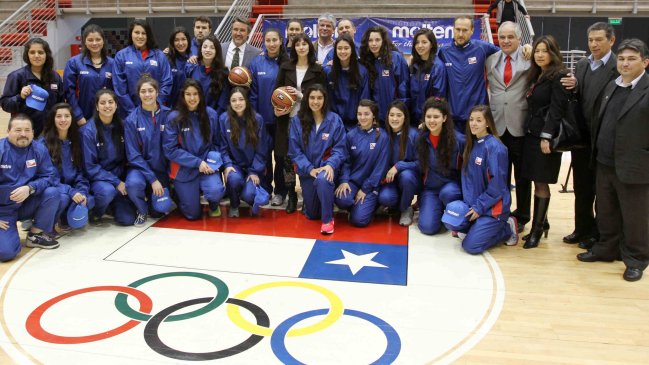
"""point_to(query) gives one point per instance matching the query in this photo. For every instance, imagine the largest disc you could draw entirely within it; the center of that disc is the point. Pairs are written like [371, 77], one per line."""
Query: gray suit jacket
[250, 53]
[596, 84]
[508, 103]
[631, 133]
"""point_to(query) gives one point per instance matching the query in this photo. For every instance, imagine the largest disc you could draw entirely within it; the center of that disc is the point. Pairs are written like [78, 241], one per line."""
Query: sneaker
[406, 217]
[41, 240]
[216, 212]
[204, 200]
[327, 228]
[513, 226]
[140, 220]
[461, 236]
[277, 200]
[94, 220]
[233, 212]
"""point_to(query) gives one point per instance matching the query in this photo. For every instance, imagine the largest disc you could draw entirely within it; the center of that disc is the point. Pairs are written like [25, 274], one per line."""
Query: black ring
[152, 337]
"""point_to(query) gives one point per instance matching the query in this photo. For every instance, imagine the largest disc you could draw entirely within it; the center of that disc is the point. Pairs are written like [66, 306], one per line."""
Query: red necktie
[508, 70]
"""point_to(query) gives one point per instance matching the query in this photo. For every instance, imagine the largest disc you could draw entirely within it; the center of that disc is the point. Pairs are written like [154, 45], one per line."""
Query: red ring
[37, 331]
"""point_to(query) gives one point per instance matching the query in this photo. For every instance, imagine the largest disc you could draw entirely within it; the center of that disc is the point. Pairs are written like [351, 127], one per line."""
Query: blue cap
[261, 198]
[455, 215]
[38, 98]
[162, 204]
[214, 160]
[77, 215]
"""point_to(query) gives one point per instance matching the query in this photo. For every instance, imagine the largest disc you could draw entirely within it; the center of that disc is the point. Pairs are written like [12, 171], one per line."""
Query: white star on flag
[357, 262]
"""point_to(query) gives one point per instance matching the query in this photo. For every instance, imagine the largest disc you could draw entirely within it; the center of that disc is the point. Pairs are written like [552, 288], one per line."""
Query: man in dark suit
[620, 140]
[238, 52]
[592, 75]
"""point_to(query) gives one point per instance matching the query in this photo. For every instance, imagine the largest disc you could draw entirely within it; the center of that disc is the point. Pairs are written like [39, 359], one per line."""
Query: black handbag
[571, 129]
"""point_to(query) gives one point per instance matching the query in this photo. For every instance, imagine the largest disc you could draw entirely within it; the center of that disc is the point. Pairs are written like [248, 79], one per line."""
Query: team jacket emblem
[30, 163]
[154, 63]
[472, 60]
[478, 161]
[325, 136]
[372, 145]
[386, 73]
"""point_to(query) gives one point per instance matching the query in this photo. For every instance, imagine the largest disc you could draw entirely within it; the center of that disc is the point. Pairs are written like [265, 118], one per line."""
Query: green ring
[121, 302]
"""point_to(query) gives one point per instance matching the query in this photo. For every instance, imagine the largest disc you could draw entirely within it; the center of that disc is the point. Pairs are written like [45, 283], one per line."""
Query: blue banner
[400, 30]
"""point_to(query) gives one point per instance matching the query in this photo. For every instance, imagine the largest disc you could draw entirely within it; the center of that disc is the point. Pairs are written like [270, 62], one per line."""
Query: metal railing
[486, 34]
[590, 6]
[239, 8]
[570, 58]
[145, 6]
[527, 32]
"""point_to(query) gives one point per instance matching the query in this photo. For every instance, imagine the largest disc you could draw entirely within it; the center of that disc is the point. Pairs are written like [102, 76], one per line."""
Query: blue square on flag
[359, 262]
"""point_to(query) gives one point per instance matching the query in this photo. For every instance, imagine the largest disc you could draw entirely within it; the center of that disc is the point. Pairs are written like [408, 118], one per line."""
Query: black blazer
[546, 96]
[596, 84]
[288, 77]
[631, 133]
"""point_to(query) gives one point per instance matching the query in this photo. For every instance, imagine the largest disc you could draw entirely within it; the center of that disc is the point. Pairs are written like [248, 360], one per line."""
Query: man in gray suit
[238, 52]
[620, 141]
[507, 75]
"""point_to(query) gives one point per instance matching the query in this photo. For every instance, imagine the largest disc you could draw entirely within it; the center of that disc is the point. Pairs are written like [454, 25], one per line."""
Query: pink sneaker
[327, 228]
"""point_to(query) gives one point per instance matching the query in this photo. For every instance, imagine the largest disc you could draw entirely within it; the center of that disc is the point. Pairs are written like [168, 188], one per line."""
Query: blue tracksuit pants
[139, 189]
[431, 206]
[237, 188]
[399, 193]
[485, 232]
[65, 201]
[318, 195]
[361, 214]
[189, 196]
[107, 196]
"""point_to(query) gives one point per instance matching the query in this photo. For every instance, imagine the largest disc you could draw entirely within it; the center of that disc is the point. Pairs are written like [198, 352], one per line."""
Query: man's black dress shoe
[590, 256]
[588, 243]
[574, 237]
[632, 274]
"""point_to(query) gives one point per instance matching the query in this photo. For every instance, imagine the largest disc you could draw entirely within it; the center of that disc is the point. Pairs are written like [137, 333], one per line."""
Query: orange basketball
[240, 76]
[282, 99]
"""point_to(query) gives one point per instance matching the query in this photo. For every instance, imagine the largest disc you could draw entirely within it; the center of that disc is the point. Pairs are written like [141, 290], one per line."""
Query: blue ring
[279, 335]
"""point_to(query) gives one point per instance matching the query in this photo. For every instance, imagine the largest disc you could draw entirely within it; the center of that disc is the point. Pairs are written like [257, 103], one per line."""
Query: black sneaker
[41, 240]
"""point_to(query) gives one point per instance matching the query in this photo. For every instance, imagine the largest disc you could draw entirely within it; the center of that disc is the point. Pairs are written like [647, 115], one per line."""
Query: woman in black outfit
[547, 100]
[299, 73]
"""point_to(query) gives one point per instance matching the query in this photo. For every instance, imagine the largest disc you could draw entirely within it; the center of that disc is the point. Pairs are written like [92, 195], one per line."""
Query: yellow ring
[335, 312]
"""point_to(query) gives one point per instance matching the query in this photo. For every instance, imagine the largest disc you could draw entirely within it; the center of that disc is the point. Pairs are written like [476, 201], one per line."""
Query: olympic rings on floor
[279, 335]
[152, 337]
[34, 327]
[219, 298]
[335, 311]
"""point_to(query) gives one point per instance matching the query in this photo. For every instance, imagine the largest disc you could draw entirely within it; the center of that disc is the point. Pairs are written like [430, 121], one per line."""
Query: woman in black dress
[547, 100]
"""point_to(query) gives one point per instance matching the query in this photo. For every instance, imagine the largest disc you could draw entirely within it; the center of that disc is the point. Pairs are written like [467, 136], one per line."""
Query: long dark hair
[447, 141]
[354, 72]
[385, 53]
[282, 55]
[374, 108]
[47, 75]
[293, 20]
[491, 128]
[403, 138]
[150, 38]
[556, 62]
[93, 28]
[183, 119]
[305, 114]
[117, 132]
[173, 53]
[217, 75]
[51, 137]
[311, 57]
[423, 66]
[248, 118]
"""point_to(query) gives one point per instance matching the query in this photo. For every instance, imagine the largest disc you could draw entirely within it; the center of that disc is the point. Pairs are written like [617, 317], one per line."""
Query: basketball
[240, 76]
[282, 99]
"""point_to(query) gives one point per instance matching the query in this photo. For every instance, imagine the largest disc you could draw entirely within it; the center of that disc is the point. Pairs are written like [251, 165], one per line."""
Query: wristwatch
[31, 189]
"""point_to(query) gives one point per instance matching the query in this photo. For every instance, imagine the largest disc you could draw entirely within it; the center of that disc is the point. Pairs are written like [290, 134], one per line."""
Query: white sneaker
[461, 236]
[513, 226]
[277, 200]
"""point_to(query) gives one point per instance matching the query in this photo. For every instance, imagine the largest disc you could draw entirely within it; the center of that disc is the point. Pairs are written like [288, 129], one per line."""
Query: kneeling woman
[317, 148]
[104, 160]
[485, 187]
[368, 150]
[148, 169]
[244, 146]
[190, 144]
[402, 181]
[61, 137]
[439, 149]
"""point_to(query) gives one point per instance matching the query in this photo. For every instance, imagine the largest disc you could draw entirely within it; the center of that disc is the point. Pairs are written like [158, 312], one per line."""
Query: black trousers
[583, 183]
[523, 186]
[623, 222]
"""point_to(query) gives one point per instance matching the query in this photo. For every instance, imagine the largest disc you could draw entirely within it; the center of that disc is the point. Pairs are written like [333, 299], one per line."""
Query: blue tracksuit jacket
[252, 159]
[129, 67]
[343, 100]
[367, 160]
[434, 177]
[391, 83]
[70, 178]
[100, 160]
[466, 75]
[185, 148]
[143, 141]
[409, 162]
[264, 74]
[217, 102]
[81, 81]
[484, 183]
[425, 85]
[326, 146]
[178, 76]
